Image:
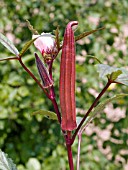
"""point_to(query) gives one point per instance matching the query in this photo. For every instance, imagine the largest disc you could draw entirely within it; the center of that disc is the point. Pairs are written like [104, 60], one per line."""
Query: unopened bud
[43, 72]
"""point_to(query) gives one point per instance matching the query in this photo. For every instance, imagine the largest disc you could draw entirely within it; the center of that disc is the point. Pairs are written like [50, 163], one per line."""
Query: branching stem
[10, 58]
[51, 97]
[32, 75]
[90, 109]
[56, 109]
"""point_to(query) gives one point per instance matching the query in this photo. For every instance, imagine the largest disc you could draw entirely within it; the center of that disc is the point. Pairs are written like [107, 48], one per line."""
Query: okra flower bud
[46, 44]
[43, 72]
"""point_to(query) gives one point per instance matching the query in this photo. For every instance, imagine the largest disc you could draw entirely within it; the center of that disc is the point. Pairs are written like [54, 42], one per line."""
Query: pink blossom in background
[114, 30]
[114, 114]
[93, 20]
[125, 30]
[120, 44]
[126, 167]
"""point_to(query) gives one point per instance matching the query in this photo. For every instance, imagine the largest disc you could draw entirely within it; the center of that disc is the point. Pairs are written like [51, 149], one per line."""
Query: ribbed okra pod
[67, 79]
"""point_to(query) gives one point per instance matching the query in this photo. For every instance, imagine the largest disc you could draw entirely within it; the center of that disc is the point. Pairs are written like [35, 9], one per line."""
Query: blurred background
[36, 143]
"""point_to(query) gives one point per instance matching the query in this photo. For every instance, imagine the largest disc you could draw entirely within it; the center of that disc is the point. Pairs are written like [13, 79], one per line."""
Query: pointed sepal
[31, 28]
[85, 34]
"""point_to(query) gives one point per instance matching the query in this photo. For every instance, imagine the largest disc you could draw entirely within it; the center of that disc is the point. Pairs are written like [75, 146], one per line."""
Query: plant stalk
[56, 109]
[90, 109]
[11, 58]
[78, 151]
[32, 75]
[69, 150]
[52, 94]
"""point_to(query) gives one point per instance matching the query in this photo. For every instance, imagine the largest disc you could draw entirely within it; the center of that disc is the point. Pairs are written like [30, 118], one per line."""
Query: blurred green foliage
[28, 138]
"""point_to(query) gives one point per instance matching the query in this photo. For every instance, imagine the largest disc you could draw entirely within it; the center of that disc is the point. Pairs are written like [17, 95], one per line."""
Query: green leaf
[85, 34]
[34, 31]
[45, 113]
[78, 120]
[6, 163]
[106, 70]
[119, 75]
[26, 47]
[8, 44]
[123, 78]
[100, 107]
[115, 75]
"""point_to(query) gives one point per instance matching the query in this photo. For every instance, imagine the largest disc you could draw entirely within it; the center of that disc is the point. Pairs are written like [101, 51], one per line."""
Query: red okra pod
[67, 80]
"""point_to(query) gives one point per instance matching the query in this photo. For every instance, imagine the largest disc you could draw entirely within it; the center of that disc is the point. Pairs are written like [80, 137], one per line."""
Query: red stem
[70, 158]
[32, 75]
[52, 93]
[69, 150]
[90, 109]
[11, 58]
[56, 109]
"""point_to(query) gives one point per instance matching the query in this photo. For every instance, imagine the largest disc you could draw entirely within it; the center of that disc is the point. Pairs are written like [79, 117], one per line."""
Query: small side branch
[32, 75]
[90, 109]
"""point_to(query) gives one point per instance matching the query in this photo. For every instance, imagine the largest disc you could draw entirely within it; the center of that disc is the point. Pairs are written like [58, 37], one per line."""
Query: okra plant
[50, 46]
